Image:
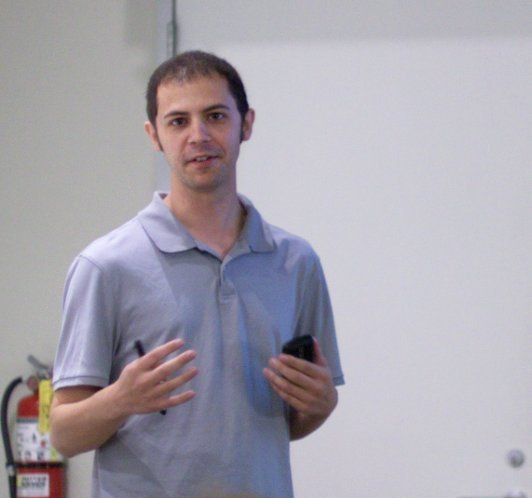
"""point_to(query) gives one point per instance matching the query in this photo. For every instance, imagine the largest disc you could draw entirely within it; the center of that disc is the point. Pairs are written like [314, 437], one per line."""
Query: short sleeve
[316, 318]
[84, 353]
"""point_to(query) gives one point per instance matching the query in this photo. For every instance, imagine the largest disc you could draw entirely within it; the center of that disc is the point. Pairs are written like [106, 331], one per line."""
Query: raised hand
[145, 384]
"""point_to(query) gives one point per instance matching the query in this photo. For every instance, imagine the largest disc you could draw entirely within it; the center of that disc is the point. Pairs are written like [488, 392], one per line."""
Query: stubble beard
[203, 182]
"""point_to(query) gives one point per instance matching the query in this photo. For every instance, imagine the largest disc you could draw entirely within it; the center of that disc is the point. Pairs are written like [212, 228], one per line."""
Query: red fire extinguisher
[38, 471]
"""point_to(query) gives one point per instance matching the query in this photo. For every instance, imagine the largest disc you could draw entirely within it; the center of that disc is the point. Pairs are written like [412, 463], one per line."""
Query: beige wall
[74, 160]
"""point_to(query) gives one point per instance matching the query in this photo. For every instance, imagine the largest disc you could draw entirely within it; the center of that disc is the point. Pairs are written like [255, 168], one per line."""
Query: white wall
[74, 160]
[395, 136]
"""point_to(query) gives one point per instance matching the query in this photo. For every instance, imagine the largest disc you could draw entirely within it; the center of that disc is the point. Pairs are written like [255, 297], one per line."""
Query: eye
[179, 121]
[216, 116]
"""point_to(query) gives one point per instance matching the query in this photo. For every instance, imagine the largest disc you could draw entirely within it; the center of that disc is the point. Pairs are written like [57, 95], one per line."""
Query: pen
[140, 351]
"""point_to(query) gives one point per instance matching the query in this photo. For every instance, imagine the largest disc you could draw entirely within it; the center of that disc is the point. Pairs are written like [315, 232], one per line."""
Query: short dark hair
[188, 66]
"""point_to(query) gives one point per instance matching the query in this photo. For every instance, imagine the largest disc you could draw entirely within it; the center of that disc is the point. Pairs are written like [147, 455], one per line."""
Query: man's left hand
[307, 387]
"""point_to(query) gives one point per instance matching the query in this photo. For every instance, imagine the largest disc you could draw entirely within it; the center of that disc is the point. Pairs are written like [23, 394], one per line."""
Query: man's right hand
[145, 384]
[84, 417]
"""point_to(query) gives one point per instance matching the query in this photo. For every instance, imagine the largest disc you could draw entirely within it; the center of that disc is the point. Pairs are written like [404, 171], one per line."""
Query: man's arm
[307, 387]
[84, 417]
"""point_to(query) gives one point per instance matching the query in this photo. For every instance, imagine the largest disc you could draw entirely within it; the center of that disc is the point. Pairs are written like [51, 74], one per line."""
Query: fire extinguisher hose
[10, 461]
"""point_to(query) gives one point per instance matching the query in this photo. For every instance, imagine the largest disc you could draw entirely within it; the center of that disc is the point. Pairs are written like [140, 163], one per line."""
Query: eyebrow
[177, 112]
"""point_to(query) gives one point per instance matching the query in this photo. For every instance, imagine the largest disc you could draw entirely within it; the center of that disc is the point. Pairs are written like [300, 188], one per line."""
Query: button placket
[226, 287]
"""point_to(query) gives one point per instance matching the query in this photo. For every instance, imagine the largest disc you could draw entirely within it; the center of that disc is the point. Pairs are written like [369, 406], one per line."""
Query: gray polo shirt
[150, 280]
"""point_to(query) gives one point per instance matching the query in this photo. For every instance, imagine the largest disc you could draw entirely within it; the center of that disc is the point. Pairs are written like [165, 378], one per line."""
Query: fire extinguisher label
[33, 485]
[45, 402]
[32, 445]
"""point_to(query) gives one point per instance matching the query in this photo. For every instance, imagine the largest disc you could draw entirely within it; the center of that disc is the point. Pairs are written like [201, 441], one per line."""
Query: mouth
[202, 159]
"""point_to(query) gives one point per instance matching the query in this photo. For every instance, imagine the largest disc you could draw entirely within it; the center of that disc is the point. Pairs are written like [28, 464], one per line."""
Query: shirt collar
[256, 232]
[169, 234]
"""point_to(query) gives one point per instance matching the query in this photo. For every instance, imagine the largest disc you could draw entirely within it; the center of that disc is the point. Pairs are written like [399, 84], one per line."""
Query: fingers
[180, 399]
[286, 363]
[319, 357]
[155, 356]
[166, 369]
[163, 403]
[297, 372]
[170, 385]
[292, 400]
[290, 392]
[145, 385]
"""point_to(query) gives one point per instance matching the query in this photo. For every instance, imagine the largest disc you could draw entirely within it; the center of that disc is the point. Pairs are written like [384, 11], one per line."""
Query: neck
[209, 217]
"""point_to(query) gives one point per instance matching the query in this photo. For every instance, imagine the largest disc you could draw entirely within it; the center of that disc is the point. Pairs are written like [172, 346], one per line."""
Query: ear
[247, 125]
[152, 133]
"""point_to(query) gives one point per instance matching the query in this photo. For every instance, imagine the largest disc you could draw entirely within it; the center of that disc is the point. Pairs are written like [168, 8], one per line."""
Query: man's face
[199, 130]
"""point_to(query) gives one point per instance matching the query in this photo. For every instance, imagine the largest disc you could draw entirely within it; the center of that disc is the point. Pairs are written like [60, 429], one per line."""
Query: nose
[199, 132]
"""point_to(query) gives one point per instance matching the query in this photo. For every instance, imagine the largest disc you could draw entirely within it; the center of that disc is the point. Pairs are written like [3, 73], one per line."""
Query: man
[199, 267]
